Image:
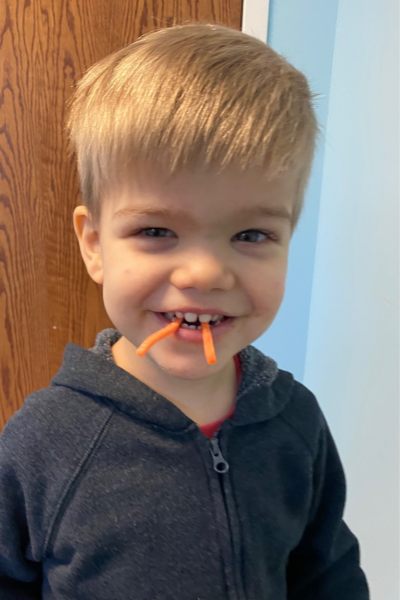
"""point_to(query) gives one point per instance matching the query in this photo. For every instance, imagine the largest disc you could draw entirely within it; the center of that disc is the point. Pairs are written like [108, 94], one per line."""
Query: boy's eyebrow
[267, 211]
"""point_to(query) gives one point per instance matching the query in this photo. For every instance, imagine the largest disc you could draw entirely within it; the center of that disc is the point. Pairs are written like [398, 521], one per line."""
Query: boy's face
[198, 256]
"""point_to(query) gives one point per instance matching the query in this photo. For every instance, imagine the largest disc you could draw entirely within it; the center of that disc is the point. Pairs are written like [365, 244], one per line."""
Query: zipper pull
[220, 464]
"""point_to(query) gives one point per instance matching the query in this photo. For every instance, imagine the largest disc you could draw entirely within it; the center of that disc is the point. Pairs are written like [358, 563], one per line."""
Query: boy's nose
[203, 273]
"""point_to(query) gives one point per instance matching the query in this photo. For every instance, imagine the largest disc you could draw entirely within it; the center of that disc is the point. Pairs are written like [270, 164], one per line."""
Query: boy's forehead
[244, 193]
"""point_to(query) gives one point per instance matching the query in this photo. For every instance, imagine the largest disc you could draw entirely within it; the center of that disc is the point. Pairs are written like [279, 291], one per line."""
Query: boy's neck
[204, 401]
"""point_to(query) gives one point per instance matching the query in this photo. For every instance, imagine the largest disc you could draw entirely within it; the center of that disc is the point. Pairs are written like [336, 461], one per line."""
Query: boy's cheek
[280, 287]
[270, 288]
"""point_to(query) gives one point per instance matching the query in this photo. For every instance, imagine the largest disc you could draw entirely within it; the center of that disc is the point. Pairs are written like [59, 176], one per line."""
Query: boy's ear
[89, 243]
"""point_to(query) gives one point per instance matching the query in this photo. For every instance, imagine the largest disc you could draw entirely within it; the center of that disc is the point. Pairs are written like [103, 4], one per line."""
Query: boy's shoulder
[42, 448]
[301, 411]
[54, 413]
[47, 438]
[272, 394]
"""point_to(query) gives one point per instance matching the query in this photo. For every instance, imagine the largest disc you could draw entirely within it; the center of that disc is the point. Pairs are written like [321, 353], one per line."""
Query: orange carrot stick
[157, 336]
[208, 344]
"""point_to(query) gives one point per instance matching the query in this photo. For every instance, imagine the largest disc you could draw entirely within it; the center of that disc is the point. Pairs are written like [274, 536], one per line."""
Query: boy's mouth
[192, 332]
[193, 321]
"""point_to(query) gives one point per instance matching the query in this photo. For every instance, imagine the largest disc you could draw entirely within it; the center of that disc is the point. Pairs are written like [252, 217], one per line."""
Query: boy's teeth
[192, 318]
[205, 318]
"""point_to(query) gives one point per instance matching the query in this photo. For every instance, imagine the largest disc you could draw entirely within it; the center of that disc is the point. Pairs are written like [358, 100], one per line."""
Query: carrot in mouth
[208, 344]
[171, 328]
[158, 335]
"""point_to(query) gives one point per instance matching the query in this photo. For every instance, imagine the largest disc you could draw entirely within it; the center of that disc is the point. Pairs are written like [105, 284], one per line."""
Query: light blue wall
[304, 32]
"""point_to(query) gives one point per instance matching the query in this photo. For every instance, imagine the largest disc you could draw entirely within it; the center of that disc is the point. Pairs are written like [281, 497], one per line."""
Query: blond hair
[192, 95]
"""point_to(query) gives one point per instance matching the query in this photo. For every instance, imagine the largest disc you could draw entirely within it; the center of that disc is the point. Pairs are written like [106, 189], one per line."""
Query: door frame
[255, 18]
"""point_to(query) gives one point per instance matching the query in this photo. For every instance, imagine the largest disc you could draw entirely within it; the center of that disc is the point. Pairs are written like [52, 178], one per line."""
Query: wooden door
[47, 298]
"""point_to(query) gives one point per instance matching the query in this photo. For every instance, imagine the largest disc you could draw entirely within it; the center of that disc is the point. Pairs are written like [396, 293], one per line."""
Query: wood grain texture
[47, 299]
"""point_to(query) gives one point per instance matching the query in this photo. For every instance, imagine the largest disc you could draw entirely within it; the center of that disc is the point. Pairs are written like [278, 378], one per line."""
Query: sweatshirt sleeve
[20, 575]
[326, 563]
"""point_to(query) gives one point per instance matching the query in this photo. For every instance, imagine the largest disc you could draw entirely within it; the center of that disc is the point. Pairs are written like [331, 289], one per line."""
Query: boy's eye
[252, 235]
[155, 231]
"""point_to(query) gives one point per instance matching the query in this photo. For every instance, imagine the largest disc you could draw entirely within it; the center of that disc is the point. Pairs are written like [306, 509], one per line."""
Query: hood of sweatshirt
[263, 392]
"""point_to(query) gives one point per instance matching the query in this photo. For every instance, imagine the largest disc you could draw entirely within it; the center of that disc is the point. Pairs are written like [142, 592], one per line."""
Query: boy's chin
[189, 367]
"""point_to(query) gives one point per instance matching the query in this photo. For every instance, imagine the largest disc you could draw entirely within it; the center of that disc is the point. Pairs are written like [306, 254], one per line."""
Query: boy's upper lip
[199, 311]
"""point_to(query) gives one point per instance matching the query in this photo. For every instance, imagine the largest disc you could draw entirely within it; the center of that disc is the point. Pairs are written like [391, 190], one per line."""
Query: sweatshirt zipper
[221, 466]
[219, 463]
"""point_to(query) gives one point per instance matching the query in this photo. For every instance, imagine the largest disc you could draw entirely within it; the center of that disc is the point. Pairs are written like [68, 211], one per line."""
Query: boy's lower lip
[195, 336]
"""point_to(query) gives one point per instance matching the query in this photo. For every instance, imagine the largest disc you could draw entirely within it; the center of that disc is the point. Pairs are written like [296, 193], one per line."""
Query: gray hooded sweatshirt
[109, 492]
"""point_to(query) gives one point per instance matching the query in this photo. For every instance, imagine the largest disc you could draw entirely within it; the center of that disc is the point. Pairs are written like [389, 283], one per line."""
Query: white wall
[352, 359]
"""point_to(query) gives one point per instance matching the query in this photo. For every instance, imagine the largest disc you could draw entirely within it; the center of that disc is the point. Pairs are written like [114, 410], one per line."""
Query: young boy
[167, 476]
